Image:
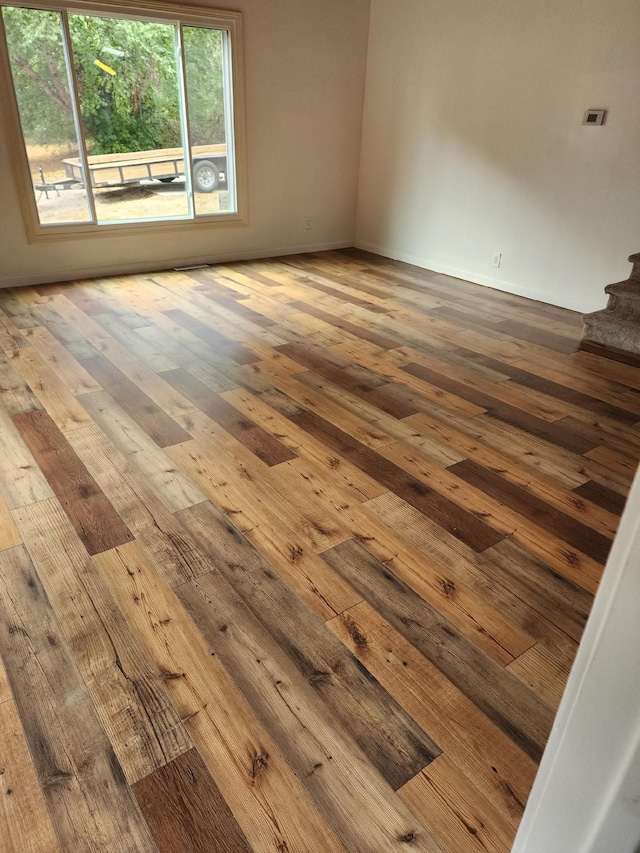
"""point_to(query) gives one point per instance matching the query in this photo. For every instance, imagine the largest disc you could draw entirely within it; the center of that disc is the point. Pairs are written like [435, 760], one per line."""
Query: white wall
[305, 69]
[586, 797]
[472, 142]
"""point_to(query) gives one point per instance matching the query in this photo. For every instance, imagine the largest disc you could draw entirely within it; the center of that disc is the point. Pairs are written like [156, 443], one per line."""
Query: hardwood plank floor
[295, 555]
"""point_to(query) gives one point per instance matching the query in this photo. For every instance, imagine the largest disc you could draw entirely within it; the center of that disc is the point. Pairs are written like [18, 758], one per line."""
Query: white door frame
[586, 796]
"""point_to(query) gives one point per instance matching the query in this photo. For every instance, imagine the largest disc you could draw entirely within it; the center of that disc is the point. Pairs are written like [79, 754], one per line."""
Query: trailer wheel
[206, 176]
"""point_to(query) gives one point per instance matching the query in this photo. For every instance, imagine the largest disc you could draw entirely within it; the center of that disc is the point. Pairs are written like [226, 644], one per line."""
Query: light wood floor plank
[471, 826]
[128, 694]
[21, 480]
[87, 796]
[53, 395]
[153, 462]
[142, 507]
[68, 370]
[9, 533]
[25, 826]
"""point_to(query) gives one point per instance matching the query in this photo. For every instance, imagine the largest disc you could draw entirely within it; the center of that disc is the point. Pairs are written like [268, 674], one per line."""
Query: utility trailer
[165, 165]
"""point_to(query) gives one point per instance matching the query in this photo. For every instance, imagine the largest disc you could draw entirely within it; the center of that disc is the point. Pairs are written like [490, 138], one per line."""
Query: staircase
[618, 325]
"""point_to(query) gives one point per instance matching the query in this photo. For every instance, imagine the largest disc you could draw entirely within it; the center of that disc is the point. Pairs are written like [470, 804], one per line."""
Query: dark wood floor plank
[601, 495]
[615, 354]
[256, 439]
[153, 420]
[83, 300]
[154, 357]
[355, 280]
[91, 805]
[70, 338]
[450, 516]
[513, 708]
[520, 470]
[578, 535]
[381, 428]
[395, 400]
[554, 389]
[400, 401]
[552, 432]
[606, 433]
[389, 738]
[232, 349]
[251, 270]
[189, 358]
[237, 307]
[506, 578]
[489, 380]
[212, 282]
[110, 295]
[338, 294]
[397, 282]
[21, 314]
[495, 766]
[535, 335]
[336, 368]
[96, 522]
[185, 810]
[516, 329]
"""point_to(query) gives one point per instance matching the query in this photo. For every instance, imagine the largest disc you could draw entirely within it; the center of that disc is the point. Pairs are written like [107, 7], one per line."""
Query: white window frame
[153, 11]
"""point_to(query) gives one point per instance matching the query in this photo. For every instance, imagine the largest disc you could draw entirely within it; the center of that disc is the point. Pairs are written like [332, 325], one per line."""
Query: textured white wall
[473, 144]
[304, 69]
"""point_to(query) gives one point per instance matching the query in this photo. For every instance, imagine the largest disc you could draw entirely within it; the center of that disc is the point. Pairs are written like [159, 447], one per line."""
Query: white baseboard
[486, 281]
[164, 264]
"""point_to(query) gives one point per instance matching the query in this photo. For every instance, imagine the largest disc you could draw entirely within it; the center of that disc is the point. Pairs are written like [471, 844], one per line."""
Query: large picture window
[128, 115]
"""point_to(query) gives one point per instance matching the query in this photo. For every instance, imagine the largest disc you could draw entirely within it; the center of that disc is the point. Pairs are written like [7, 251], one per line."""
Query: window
[128, 116]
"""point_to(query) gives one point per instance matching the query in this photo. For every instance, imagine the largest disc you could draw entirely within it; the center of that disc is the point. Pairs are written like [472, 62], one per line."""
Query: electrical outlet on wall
[497, 259]
[308, 223]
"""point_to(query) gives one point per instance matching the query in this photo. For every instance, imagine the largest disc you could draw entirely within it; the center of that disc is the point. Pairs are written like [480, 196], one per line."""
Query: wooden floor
[294, 555]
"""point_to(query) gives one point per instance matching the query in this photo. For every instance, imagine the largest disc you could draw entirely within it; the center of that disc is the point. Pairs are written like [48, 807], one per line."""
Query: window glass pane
[129, 100]
[204, 68]
[41, 83]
